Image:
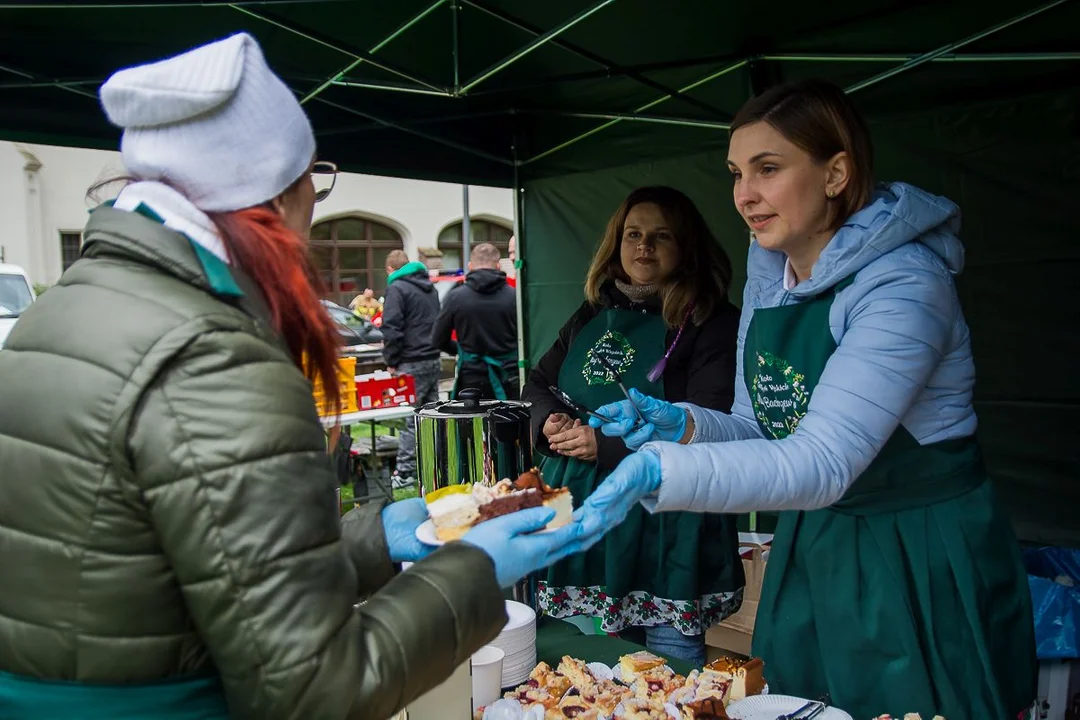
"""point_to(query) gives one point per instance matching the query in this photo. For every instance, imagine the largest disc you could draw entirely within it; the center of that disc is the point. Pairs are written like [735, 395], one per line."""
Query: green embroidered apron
[496, 370]
[908, 595]
[664, 569]
[191, 698]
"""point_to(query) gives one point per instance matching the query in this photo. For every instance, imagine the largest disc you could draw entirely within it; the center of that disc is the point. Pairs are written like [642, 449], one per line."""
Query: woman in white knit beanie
[169, 537]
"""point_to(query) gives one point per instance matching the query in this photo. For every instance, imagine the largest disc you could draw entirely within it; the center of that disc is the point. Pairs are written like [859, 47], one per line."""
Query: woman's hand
[517, 549]
[557, 423]
[635, 478]
[400, 520]
[663, 421]
[578, 441]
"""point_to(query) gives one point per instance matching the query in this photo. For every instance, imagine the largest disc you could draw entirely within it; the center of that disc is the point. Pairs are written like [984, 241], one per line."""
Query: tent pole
[34, 79]
[610, 69]
[152, 5]
[466, 228]
[419, 122]
[684, 122]
[519, 267]
[537, 42]
[946, 49]
[418, 133]
[368, 85]
[354, 54]
[62, 84]
[609, 73]
[455, 14]
[340, 75]
[647, 106]
[951, 57]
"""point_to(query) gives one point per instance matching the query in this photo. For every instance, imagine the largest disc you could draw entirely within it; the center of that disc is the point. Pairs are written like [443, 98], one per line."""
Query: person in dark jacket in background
[409, 313]
[656, 310]
[483, 311]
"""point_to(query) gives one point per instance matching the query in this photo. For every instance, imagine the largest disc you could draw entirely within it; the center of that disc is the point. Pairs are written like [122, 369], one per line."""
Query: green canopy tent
[574, 102]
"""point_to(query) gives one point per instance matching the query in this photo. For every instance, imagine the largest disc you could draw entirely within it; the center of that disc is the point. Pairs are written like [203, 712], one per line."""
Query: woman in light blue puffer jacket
[894, 583]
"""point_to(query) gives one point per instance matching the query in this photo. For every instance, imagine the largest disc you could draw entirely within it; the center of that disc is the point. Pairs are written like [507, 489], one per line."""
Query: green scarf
[406, 269]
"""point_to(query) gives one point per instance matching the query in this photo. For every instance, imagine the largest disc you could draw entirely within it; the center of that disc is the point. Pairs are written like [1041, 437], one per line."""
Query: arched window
[350, 253]
[482, 231]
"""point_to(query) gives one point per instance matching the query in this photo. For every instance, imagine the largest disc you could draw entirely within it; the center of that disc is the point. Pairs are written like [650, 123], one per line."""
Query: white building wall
[33, 217]
[16, 235]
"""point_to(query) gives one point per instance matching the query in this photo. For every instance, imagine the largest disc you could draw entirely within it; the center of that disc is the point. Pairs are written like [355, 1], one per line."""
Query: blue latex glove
[663, 421]
[400, 520]
[516, 553]
[633, 479]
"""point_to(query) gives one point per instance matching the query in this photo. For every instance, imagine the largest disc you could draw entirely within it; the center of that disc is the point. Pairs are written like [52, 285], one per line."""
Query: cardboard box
[734, 634]
[383, 390]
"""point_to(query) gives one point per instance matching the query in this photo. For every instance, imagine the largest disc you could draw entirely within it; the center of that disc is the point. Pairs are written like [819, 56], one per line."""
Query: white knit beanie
[215, 122]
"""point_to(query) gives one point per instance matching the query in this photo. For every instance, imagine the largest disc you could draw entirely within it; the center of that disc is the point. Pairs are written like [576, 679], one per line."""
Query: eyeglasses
[324, 175]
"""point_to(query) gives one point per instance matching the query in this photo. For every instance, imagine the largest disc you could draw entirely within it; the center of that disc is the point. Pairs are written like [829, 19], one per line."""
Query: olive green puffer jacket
[168, 506]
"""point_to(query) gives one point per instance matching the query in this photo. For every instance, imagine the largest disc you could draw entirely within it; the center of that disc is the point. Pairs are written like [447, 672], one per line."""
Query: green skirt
[922, 610]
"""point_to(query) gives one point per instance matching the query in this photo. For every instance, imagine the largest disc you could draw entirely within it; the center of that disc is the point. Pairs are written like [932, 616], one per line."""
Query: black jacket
[409, 312]
[483, 310]
[701, 369]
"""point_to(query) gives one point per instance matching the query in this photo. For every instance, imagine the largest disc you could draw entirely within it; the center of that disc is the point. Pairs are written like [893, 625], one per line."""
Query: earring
[829, 193]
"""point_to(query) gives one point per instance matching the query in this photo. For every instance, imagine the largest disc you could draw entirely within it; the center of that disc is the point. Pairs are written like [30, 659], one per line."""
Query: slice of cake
[543, 676]
[636, 663]
[529, 695]
[699, 686]
[657, 684]
[453, 514]
[712, 686]
[746, 676]
[605, 697]
[685, 694]
[558, 499]
[643, 709]
[601, 695]
[572, 707]
[577, 672]
[502, 499]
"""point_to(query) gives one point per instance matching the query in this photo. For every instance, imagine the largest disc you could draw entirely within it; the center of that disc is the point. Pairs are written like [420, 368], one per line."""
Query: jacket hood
[898, 214]
[130, 235]
[416, 272]
[486, 280]
[135, 237]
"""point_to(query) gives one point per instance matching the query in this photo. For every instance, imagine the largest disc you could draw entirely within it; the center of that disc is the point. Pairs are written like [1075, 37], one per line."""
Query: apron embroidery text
[778, 395]
[613, 347]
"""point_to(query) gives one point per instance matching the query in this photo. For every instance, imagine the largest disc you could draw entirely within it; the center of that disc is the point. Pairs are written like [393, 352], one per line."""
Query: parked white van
[16, 294]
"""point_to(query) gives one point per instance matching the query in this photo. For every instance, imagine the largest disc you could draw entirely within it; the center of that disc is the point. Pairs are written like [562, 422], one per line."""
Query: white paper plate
[425, 533]
[521, 617]
[767, 707]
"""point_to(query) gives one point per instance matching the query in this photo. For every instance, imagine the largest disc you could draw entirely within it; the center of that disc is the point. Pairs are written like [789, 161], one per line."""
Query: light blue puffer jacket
[903, 358]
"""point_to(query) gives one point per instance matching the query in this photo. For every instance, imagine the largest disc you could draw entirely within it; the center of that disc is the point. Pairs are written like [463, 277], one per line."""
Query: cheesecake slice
[558, 499]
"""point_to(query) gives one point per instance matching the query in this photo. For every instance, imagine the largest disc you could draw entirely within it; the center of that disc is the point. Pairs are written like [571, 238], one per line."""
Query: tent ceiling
[478, 90]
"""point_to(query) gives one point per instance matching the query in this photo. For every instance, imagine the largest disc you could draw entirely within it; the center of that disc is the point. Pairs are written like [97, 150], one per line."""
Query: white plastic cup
[487, 665]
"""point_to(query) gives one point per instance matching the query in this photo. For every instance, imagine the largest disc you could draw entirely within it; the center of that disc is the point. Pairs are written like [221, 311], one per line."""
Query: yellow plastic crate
[346, 388]
[348, 404]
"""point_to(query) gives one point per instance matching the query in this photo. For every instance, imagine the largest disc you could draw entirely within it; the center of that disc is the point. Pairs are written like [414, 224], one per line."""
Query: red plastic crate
[382, 390]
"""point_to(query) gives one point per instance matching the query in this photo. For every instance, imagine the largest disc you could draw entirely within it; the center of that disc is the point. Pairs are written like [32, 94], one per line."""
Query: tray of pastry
[640, 687]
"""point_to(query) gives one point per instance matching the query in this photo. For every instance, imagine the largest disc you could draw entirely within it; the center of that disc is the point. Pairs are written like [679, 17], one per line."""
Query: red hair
[277, 260]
